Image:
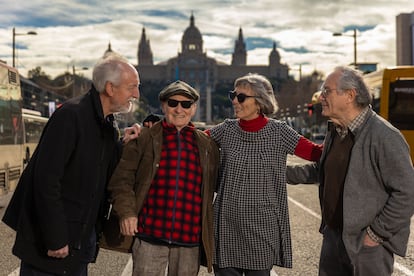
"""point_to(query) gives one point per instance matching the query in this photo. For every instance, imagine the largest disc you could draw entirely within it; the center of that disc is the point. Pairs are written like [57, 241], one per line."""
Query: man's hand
[131, 133]
[60, 253]
[369, 242]
[129, 226]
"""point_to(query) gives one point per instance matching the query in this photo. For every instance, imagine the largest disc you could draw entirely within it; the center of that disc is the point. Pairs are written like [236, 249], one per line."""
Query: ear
[352, 94]
[259, 108]
[109, 88]
[193, 109]
[163, 107]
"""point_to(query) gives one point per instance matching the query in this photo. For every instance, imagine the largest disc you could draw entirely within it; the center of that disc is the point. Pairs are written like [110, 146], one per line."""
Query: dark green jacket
[138, 166]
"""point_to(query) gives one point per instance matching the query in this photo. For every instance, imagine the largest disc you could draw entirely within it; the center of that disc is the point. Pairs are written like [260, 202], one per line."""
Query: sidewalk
[4, 200]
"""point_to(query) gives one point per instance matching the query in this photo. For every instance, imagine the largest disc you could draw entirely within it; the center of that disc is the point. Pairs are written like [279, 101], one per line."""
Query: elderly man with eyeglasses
[366, 182]
[163, 187]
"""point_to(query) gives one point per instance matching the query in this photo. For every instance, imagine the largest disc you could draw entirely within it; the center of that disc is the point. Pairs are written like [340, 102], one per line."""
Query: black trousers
[334, 260]
[29, 270]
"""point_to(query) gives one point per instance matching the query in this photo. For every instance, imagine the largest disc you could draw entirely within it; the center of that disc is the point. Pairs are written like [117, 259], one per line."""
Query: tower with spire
[144, 50]
[240, 55]
[195, 67]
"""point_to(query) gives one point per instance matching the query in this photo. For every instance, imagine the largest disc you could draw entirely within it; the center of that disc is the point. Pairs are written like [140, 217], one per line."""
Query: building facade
[405, 38]
[206, 74]
[38, 98]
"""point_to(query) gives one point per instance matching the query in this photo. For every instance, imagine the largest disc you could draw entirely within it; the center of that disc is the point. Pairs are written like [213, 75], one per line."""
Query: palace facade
[206, 74]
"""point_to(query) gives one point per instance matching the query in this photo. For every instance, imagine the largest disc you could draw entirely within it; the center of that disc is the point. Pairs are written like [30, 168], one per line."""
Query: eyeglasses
[326, 91]
[184, 104]
[241, 97]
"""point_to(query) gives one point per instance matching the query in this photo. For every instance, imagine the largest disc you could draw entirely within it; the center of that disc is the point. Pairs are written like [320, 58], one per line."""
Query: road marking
[305, 208]
[397, 266]
[128, 268]
[16, 272]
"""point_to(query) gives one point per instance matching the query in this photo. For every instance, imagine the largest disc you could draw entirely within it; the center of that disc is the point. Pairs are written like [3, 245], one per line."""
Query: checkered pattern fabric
[251, 224]
[172, 210]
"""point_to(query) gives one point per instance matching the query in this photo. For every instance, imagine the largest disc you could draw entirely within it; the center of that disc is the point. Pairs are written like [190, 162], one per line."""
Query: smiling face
[248, 109]
[178, 115]
[126, 92]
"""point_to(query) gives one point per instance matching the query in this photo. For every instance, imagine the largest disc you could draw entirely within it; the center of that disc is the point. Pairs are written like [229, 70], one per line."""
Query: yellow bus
[393, 92]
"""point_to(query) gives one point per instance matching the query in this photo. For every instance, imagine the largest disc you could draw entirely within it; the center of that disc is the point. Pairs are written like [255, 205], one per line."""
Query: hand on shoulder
[131, 133]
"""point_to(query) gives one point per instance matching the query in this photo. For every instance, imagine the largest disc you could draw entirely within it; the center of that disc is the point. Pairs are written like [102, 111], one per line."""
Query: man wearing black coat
[55, 207]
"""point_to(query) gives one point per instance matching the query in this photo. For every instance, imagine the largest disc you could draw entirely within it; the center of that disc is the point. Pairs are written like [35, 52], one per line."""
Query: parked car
[318, 137]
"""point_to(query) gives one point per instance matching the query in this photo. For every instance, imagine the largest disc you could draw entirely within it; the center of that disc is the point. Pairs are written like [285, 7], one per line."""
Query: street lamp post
[354, 35]
[74, 77]
[299, 70]
[14, 42]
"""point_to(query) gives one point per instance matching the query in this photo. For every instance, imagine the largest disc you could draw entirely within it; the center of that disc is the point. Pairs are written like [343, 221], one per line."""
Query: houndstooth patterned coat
[251, 220]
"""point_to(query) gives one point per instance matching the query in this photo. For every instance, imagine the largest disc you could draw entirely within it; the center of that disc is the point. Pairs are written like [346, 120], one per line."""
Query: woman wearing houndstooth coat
[252, 231]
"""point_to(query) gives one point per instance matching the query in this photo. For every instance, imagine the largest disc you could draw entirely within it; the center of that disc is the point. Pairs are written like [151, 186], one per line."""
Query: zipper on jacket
[177, 176]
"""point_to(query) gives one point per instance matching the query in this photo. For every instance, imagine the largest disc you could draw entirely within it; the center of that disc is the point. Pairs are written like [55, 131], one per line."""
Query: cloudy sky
[77, 33]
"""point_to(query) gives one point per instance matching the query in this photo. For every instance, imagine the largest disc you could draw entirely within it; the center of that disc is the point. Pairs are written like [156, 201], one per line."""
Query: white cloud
[78, 32]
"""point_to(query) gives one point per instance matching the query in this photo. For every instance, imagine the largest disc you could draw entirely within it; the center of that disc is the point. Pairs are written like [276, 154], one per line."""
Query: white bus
[19, 129]
[33, 124]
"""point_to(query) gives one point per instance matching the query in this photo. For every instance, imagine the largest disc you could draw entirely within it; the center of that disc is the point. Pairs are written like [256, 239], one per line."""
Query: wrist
[373, 236]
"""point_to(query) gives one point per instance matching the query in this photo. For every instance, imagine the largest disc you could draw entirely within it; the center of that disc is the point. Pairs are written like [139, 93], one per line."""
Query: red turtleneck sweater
[305, 148]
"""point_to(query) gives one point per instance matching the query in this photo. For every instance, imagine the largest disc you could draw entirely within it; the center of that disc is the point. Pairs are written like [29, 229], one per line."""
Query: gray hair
[108, 69]
[353, 79]
[263, 89]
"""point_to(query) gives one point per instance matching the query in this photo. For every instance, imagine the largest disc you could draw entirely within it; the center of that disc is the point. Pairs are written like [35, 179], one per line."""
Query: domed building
[193, 66]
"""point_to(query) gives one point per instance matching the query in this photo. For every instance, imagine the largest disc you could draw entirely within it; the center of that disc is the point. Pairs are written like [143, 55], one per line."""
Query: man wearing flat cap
[162, 190]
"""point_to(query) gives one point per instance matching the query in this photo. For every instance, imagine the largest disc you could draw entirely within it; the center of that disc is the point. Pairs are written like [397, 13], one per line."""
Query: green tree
[37, 73]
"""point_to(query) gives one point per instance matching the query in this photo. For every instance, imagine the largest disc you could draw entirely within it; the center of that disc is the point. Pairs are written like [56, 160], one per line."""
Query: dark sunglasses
[184, 104]
[240, 97]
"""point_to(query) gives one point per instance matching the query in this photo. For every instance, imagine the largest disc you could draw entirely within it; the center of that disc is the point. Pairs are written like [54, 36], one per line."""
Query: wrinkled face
[125, 93]
[334, 101]
[248, 109]
[175, 111]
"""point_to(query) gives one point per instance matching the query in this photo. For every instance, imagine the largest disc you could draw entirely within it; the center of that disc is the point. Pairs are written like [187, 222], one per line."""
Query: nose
[321, 97]
[178, 108]
[136, 93]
